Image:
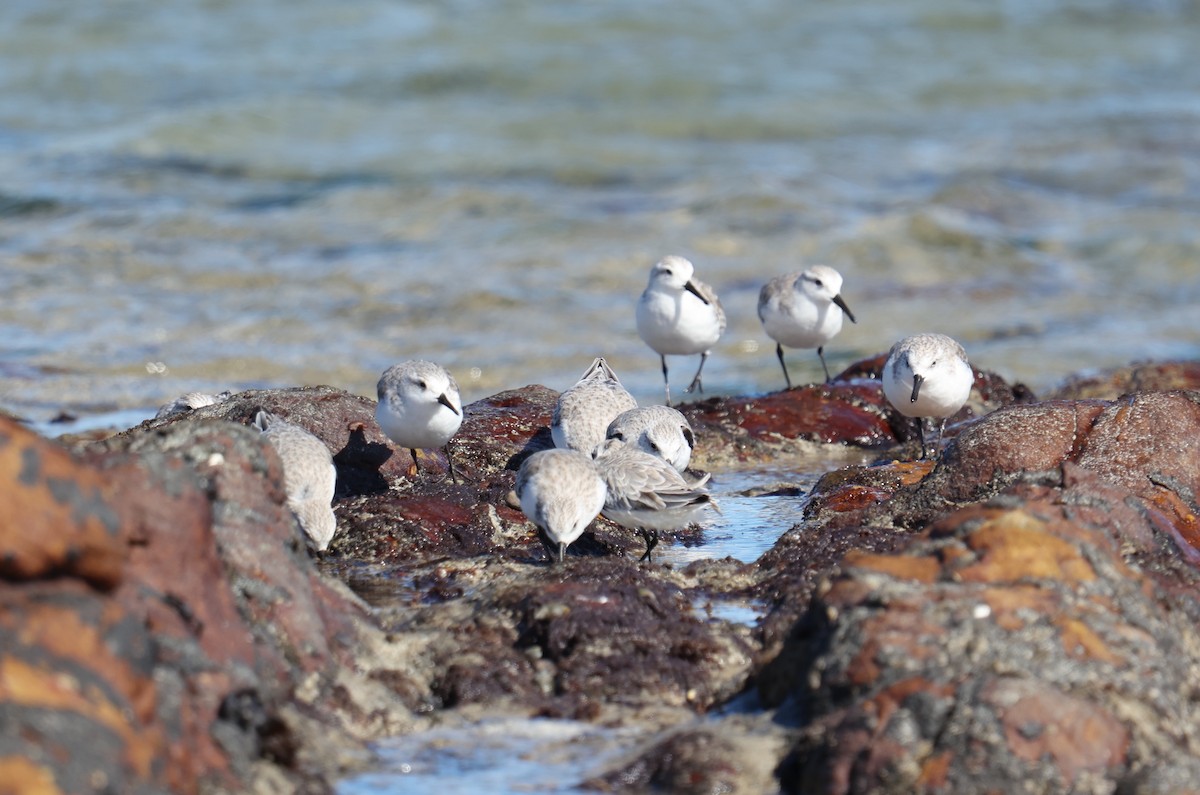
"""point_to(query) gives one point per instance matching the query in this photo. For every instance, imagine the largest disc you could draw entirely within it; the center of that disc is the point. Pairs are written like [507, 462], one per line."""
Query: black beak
[917, 381]
[445, 401]
[691, 288]
[837, 299]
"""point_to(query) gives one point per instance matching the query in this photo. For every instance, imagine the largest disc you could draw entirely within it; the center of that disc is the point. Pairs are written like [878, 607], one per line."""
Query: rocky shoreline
[1025, 610]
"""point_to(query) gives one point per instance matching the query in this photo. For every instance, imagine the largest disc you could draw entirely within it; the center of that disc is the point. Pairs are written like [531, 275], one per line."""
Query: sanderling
[645, 493]
[583, 412]
[927, 375]
[679, 315]
[803, 310]
[658, 430]
[308, 475]
[561, 492]
[189, 402]
[419, 407]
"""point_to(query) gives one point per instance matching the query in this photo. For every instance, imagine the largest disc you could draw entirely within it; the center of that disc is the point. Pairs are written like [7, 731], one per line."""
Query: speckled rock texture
[1022, 613]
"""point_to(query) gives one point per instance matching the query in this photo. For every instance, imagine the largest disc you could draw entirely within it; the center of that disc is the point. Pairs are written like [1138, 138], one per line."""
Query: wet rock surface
[1023, 610]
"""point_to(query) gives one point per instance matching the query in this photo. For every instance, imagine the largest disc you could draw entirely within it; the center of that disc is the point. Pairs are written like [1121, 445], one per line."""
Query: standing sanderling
[679, 315]
[803, 310]
[560, 492]
[583, 412]
[308, 475]
[645, 493]
[927, 375]
[419, 408]
[658, 430]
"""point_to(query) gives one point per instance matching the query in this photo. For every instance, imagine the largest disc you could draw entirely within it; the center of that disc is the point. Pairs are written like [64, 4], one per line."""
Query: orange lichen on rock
[1009, 602]
[855, 498]
[912, 472]
[1080, 642]
[21, 776]
[895, 632]
[905, 567]
[59, 515]
[1180, 516]
[27, 685]
[1017, 546]
[935, 770]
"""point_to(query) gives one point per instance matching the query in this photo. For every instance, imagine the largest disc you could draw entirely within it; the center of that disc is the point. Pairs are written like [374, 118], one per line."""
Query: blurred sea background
[206, 195]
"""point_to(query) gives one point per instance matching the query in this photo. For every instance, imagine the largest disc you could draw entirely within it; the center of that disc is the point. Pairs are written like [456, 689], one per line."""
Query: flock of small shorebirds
[611, 456]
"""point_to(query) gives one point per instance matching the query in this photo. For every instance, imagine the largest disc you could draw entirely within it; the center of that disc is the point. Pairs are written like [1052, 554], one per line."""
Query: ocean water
[206, 195]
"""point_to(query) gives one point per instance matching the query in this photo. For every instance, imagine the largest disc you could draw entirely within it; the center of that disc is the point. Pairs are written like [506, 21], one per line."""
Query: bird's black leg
[779, 352]
[450, 463]
[921, 435]
[666, 378]
[696, 385]
[651, 539]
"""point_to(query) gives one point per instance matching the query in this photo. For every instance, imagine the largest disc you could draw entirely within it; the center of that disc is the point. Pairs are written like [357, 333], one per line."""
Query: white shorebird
[658, 430]
[679, 315]
[583, 412]
[646, 494]
[419, 407]
[927, 375]
[560, 492]
[803, 309]
[309, 476]
[190, 402]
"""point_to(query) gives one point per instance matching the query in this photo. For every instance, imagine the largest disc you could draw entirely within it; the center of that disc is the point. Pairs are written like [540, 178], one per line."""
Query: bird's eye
[654, 447]
[818, 282]
[620, 437]
[421, 383]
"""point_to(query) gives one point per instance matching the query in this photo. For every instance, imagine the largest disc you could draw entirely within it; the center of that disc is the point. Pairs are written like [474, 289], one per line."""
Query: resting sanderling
[189, 402]
[927, 375]
[583, 412]
[308, 475]
[419, 407]
[679, 315]
[658, 430]
[560, 492]
[645, 493]
[803, 310]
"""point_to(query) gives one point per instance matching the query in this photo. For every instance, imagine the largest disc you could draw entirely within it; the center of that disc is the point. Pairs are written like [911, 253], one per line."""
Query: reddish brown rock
[842, 412]
[1023, 610]
[1054, 533]
[77, 693]
[59, 517]
[1148, 443]
[1141, 377]
[180, 674]
[849, 410]
[922, 680]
